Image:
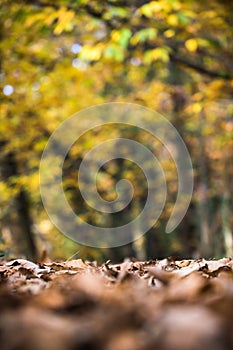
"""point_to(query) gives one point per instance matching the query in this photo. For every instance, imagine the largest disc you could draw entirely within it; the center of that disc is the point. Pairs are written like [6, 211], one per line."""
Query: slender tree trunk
[139, 240]
[226, 228]
[226, 205]
[203, 200]
[25, 223]
[18, 218]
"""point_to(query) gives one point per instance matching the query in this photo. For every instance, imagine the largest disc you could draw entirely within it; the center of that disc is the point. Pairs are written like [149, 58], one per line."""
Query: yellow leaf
[191, 45]
[172, 20]
[91, 53]
[34, 18]
[197, 107]
[115, 35]
[169, 33]
[64, 20]
[159, 53]
[150, 9]
[49, 19]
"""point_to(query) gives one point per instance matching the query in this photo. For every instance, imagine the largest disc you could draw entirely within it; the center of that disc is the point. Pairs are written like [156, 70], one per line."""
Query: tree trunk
[18, 218]
[203, 205]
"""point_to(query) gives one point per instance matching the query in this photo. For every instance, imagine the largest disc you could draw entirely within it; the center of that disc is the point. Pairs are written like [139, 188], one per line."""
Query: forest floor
[164, 305]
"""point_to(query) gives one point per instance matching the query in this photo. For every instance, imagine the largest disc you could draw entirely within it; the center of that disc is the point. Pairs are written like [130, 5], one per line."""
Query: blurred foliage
[58, 57]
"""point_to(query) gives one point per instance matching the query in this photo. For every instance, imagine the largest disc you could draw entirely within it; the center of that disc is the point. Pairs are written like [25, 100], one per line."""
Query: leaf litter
[164, 304]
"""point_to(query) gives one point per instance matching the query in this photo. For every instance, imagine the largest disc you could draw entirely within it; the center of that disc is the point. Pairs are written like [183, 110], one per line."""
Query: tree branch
[113, 24]
[212, 73]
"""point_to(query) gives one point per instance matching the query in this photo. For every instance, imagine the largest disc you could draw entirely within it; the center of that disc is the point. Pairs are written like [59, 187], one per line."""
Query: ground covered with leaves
[165, 305]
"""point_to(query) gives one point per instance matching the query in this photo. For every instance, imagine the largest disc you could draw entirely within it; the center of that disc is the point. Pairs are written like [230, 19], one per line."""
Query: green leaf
[183, 18]
[143, 35]
[114, 52]
[115, 12]
[121, 37]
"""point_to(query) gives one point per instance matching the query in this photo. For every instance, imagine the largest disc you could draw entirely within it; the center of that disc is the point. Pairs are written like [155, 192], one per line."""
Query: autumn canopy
[59, 57]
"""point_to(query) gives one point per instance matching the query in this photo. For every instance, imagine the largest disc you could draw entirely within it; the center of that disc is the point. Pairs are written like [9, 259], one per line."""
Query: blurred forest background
[173, 56]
